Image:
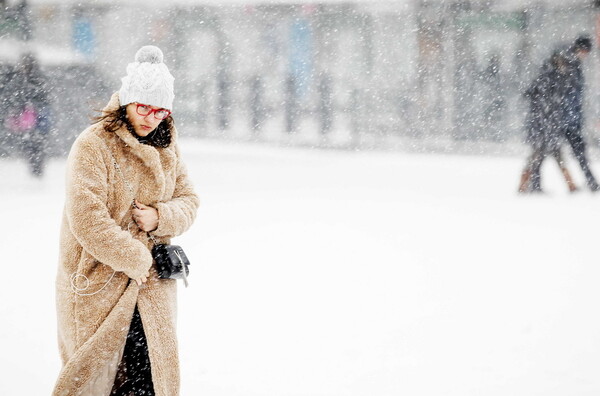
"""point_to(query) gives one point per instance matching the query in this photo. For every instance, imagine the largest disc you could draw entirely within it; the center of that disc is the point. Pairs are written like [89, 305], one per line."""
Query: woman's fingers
[139, 217]
[140, 205]
[141, 280]
[144, 226]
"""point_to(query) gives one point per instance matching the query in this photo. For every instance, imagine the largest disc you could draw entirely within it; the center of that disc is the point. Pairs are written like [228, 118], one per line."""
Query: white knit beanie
[148, 80]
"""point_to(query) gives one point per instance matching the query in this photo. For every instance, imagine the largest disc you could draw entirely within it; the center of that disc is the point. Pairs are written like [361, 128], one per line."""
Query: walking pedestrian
[28, 118]
[116, 317]
[544, 123]
[573, 105]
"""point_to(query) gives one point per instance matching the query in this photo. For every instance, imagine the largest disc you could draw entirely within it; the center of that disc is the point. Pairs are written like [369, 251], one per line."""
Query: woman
[107, 285]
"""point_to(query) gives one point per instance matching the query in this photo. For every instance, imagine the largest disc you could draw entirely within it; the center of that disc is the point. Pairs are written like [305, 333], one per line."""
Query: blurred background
[425, 75]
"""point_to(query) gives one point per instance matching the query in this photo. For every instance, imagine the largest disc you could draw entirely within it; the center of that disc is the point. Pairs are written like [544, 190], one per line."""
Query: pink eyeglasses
[145, 110]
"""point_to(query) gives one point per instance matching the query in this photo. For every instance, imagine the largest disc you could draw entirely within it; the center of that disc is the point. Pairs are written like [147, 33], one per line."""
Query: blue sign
[301, 62]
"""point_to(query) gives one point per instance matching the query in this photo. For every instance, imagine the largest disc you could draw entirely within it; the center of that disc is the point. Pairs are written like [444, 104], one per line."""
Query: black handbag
[171, 262]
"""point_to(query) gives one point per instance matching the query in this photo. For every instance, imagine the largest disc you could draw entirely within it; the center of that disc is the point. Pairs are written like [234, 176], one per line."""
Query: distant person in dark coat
[544, 123]
[28, 111]
[572, 122]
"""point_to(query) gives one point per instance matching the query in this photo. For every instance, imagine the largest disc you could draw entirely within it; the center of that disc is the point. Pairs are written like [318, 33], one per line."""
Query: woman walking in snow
[116, 318]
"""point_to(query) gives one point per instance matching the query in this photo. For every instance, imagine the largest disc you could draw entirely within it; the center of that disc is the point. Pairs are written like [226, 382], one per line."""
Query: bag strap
[129, 187]
[118, 168]
[183, 268]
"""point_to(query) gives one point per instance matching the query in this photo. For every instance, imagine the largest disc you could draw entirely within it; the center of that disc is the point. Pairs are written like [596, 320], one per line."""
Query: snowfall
[344, 273]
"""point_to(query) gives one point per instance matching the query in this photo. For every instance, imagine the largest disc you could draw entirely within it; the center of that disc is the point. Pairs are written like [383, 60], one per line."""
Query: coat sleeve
[88, 215]
[177, 215]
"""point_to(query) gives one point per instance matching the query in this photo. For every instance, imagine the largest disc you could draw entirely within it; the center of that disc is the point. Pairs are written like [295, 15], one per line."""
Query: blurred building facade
[344, 73]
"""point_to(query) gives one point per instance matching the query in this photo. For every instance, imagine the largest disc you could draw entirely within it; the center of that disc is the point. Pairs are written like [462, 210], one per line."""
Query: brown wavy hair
[115, 119]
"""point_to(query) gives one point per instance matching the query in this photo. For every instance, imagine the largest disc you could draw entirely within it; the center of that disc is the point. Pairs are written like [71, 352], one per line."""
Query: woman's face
[143, 125]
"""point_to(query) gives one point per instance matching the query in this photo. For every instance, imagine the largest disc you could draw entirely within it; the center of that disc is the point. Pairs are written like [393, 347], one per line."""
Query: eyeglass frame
[137, 110]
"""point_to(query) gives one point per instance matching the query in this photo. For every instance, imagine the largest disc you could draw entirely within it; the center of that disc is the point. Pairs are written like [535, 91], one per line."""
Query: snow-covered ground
[344, 274]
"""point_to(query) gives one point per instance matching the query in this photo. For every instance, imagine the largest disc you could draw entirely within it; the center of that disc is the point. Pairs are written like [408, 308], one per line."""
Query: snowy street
[339, 273]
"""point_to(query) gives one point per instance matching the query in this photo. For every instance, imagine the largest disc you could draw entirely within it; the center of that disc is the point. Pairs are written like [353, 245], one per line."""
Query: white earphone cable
[79, 290]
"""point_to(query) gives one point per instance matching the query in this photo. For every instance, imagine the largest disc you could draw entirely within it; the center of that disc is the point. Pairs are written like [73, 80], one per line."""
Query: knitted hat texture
[148, 80]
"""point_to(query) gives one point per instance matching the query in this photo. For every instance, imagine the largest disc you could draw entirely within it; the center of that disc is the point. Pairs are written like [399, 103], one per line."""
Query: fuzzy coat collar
[156, 159]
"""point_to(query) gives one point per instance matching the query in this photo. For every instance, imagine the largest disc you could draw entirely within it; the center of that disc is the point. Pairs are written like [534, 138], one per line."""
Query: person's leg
[525, 179]
[530, 172]
[33, 150]
[537, 159]
[578, 146]
[134, 376]
[38, 154]
[525, 182]
[563, 168]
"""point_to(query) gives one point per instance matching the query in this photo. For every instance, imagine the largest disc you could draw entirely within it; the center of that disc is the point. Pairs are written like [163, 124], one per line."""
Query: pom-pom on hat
[148, 80]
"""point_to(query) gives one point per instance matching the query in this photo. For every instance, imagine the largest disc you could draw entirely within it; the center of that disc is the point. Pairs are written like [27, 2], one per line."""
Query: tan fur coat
[95, 242]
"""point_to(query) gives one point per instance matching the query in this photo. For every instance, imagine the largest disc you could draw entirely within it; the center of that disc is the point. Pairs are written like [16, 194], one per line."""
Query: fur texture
[98, 238]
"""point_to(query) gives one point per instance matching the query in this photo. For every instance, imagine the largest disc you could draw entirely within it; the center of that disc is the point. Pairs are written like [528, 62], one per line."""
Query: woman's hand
[141, 280]
[146, 217]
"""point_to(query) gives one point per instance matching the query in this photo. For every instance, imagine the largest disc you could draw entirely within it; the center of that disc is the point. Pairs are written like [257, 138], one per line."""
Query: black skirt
[134, 377]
